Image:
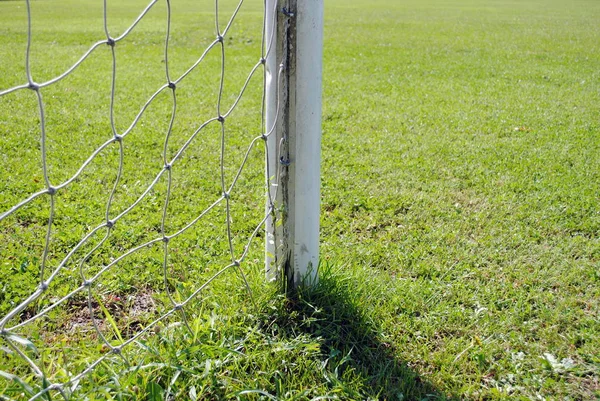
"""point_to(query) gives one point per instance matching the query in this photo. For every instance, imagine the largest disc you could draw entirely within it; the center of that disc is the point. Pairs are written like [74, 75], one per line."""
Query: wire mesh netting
[134, 147]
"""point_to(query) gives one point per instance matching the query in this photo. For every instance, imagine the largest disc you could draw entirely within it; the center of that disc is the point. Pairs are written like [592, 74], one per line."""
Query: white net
[132, 177]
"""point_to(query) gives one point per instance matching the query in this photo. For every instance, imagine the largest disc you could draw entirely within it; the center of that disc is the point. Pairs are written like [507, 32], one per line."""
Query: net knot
[51, 190]
[165, 239]
[284, 162]
[178, 307]
[172, 85]
[168, 166]
[226, 195]
[288, 13]
[263, 60]
[116, 350]
[236, 263]
[43, 286]
[111, 42]
[110, 224]
[264, 137]
[221, 119]
[87, 283]
[118, 138]
[33, 86]
[220, 38]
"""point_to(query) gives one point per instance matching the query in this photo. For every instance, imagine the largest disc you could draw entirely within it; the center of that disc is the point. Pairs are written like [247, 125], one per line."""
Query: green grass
[460, 225]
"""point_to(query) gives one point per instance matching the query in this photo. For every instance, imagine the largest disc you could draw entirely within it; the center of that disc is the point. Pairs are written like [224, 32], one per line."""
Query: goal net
[133, 143]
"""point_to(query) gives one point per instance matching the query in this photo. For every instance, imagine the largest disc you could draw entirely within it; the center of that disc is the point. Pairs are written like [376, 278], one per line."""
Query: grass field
[460, 205]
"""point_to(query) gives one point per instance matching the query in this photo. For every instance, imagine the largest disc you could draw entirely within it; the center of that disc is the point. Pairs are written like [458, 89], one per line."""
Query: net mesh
[115, 220]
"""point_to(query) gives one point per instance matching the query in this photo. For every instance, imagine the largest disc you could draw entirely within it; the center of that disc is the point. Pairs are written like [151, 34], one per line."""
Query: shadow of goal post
[293, 107]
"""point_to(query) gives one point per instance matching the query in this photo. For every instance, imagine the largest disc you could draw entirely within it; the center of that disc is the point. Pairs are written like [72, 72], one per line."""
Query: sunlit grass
[460, 218]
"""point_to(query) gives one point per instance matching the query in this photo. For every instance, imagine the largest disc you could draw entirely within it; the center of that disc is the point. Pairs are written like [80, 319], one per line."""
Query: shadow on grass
[357, 363]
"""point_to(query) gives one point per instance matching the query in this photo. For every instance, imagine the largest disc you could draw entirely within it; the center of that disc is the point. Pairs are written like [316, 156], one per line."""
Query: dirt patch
[130, 312]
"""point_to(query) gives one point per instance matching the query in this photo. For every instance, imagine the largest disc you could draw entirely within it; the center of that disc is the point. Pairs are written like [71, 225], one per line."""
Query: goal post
[295, 30]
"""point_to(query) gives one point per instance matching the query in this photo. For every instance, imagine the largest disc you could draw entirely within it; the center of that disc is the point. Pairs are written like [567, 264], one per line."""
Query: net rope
[13, 321]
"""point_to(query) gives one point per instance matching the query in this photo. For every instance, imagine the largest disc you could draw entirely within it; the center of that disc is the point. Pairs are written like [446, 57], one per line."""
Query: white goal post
[294, 71]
